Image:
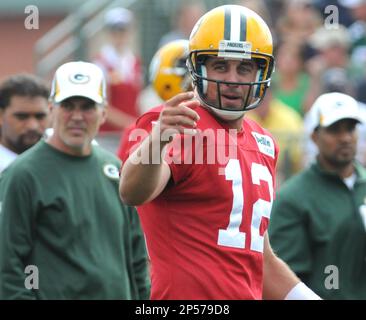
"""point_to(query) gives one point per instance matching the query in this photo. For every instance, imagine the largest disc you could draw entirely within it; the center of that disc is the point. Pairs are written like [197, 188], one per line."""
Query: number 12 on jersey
[231, 236]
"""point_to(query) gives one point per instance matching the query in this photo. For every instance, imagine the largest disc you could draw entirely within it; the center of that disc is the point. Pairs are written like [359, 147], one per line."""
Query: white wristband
[302, 292]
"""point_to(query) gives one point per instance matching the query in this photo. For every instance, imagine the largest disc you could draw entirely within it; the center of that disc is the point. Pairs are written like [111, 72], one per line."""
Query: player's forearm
[280, 282]
[144, 174]
[278, 279]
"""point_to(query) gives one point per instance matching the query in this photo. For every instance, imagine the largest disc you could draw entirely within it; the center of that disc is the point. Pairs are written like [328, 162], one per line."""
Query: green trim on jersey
[316, 224]
[63, 214]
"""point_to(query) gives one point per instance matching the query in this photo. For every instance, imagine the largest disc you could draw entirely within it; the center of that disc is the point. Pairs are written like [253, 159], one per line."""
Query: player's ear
[51, 117]
[103, 114]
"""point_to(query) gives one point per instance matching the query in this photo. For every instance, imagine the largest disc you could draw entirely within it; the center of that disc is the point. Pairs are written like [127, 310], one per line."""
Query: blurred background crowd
[320, 46]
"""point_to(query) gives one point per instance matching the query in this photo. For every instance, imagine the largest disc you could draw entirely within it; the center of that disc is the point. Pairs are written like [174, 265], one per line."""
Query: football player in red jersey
[205, 200]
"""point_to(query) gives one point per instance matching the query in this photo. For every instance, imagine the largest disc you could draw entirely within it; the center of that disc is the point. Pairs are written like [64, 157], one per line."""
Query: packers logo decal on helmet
[240, 34]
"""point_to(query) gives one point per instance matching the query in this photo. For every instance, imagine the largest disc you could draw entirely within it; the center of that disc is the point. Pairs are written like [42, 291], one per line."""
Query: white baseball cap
[81, 79]
[330, 108]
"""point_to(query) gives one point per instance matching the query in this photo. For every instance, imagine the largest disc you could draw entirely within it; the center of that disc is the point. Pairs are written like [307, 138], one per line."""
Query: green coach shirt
[63, 215]
[316, 227]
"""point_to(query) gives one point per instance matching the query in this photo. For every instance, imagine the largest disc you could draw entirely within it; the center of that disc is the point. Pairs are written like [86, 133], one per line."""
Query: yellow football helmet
[231, 32]
[168, 70]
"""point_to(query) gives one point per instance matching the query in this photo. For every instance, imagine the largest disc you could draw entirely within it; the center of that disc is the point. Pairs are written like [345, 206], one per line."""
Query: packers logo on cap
[79, 78]
[111, 171]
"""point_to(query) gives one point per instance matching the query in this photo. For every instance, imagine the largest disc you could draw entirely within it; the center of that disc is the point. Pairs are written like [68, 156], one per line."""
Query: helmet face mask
[168, 71]
[255, 90]
[244, 37]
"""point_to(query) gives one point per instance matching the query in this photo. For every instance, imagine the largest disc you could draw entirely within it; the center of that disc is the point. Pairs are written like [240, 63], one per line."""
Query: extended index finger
[179, 98]
[183, 104]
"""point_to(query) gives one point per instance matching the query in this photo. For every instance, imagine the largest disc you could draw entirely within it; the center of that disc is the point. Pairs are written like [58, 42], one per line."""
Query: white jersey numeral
[231, 236]
[261, 208]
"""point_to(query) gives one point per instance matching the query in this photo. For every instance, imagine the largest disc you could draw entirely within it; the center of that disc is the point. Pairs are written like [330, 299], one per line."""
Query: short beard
[340, 163]
[19, 146]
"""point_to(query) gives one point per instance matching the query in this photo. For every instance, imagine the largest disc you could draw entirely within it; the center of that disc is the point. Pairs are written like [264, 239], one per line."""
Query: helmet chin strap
[225, 115]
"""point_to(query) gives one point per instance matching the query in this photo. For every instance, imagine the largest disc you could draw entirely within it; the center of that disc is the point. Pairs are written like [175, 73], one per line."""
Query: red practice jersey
[204, 232]
[123, 147]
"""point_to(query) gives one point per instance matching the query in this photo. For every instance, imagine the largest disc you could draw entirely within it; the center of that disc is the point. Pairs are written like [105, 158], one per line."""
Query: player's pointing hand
[178, 115]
